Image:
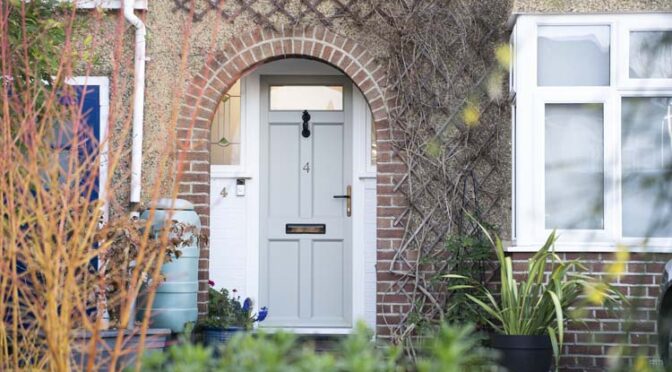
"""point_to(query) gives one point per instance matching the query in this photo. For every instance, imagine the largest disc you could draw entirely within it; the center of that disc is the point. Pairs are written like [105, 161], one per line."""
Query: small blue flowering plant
[227, 311]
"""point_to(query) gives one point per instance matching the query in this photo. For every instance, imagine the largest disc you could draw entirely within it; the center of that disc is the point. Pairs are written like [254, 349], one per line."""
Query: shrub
[453, 348]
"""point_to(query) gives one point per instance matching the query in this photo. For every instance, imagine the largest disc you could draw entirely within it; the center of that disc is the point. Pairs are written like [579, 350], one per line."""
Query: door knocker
[306, 118]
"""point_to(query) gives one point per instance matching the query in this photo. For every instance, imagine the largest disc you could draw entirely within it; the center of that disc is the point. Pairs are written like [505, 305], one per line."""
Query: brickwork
[587, 346]
[244, 53]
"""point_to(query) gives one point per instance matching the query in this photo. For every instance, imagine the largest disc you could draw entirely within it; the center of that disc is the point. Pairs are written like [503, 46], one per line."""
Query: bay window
[593, 131]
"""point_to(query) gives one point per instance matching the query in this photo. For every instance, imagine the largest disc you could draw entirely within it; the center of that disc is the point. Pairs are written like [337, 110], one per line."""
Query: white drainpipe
[138, 104]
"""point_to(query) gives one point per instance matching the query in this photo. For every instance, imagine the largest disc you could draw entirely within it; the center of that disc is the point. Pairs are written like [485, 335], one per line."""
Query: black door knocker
[306, 118]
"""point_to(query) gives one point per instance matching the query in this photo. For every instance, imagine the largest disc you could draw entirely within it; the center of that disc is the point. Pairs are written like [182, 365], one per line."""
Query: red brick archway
[256, 47]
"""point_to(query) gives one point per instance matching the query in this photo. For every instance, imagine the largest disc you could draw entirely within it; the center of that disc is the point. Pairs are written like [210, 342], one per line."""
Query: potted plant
[227, 315]
[529, 316]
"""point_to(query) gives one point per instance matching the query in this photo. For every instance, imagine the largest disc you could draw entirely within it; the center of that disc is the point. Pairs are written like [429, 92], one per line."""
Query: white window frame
[106, 4]
[103, 83]
[528, 140]
[654, 22]
[239, 170]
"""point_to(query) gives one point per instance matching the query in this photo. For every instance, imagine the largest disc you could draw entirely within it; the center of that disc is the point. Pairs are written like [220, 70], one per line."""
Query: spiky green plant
[538, 304]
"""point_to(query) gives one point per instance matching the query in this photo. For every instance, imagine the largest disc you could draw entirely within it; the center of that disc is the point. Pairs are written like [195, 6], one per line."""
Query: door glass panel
[307, 97]
[646, 140]
[374, 147]
[573, 56]
[574, 166]
[225, 131]
[651, 55]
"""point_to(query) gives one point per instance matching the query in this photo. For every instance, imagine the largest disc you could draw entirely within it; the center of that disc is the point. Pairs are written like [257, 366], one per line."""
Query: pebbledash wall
[219, 51]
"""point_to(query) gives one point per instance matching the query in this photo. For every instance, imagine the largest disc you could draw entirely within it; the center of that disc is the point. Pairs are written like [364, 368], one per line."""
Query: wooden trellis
[290, 11]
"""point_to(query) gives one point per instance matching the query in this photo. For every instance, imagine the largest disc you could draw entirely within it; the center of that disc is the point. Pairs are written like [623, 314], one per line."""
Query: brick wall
[587, 346]
[224, 67]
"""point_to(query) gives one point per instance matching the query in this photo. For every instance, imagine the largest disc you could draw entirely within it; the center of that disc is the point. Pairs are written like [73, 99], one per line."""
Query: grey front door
[306, 233]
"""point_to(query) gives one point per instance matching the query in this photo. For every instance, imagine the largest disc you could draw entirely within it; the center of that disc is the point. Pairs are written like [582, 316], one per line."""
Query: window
[573, 55]
[307, 97]
[650, 54]
[373, 154]
[593, 130]
[225, 131]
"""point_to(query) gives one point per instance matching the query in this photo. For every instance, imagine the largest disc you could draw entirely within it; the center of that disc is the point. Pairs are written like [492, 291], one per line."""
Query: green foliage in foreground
[451, 349]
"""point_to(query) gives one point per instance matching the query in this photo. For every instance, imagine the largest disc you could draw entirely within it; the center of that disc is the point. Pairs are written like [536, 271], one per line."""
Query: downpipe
[138, 106]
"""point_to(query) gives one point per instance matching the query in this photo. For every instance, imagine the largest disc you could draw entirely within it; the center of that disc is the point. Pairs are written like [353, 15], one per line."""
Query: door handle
[348, 200]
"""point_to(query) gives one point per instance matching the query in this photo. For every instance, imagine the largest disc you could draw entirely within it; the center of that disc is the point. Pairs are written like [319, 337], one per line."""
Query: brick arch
[242, 54]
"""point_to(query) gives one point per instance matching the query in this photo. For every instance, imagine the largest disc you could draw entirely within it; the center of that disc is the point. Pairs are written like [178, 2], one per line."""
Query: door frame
[266, 81]
[251, 114]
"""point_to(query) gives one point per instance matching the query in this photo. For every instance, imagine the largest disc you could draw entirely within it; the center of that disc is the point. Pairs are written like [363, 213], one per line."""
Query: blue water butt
[175, 302]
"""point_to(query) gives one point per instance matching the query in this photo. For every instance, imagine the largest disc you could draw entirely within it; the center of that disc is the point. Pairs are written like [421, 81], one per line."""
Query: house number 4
[307, 167]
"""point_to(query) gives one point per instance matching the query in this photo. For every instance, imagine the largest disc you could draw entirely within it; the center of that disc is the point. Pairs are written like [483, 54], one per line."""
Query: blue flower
[247, 305]
[263, 313]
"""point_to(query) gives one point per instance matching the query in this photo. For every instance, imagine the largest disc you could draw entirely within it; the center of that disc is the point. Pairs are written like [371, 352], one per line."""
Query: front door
[305, 216]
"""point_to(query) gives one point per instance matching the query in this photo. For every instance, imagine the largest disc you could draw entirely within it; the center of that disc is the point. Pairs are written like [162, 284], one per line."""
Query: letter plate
[305, 228]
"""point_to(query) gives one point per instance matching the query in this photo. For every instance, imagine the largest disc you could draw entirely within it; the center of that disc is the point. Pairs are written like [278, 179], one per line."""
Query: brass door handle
[348, 200]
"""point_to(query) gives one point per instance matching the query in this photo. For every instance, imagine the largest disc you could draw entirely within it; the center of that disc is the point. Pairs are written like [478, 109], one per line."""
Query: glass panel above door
[225, 130]
[573, 56]
[307, 97]
[651, 55]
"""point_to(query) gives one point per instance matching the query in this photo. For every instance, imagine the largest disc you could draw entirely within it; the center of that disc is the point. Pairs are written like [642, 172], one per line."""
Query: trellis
[266, 12]
[440, 62]
[454, 166]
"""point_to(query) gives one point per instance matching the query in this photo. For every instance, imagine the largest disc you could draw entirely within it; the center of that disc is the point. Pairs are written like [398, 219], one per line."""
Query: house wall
[212, 41]
[590, 6]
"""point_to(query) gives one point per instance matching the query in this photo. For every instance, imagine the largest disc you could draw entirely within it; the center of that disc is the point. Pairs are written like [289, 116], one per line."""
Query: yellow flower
[470, 114]
[595, 293]
[503, 55]
[642, 364]
[494, 85]
[433, 148]
[621, 257]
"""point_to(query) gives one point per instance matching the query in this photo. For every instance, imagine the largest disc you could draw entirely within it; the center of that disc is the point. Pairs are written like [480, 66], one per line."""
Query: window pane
[374, 149]
[307, 97]
[651, 54]
[646, 141]
[574, 166]
[573, 55]
[225, 131]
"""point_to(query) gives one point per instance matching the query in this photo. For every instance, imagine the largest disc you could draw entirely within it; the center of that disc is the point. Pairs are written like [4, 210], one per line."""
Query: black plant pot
[219, 336]
[524, 353]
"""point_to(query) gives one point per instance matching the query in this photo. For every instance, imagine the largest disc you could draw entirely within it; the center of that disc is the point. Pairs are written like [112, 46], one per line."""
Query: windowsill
[215, 173]
[514, 247]
[106, 4]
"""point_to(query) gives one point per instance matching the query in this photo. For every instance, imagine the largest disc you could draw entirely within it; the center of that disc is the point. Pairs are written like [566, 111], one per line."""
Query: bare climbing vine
[447, 64]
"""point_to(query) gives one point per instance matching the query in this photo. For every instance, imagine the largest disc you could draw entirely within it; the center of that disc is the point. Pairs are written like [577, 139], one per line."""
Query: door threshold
[307, 331]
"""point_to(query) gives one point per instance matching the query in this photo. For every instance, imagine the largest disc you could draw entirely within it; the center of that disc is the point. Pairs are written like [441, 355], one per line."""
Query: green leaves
[538, 304]
[456, 348]
[451, 348]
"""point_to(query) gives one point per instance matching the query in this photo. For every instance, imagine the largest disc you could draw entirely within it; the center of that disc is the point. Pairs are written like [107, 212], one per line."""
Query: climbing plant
[447, 65]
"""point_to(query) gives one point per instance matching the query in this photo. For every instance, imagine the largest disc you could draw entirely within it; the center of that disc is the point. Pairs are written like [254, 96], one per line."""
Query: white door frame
[250, 170]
